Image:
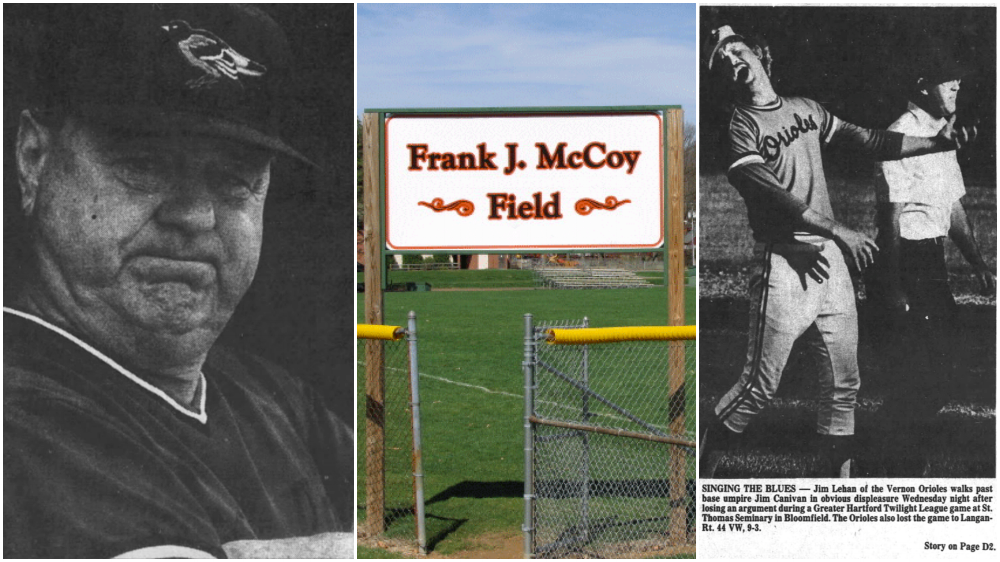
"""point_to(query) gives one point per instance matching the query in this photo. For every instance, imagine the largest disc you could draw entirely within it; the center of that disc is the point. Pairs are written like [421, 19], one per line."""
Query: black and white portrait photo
[178, 303]
[847, 204]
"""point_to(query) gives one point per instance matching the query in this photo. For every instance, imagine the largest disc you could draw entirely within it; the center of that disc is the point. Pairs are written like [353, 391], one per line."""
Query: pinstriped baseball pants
[784, 304]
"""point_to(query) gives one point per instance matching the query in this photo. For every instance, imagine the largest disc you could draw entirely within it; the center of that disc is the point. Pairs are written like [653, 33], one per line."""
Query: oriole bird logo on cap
[207, 52]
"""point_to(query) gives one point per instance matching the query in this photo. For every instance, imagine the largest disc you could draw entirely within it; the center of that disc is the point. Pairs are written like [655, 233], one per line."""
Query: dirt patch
[496, 546]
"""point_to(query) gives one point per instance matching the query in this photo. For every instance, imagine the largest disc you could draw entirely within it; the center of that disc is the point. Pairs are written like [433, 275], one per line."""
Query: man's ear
[34, 147]
[764, 54]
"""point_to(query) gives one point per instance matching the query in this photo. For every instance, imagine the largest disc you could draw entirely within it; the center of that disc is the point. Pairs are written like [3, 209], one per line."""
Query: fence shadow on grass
[466, 489]
[436, 533]
[480, 490]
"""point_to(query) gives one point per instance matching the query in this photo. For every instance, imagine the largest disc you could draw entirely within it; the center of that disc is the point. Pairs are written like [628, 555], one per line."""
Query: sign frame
[666, 116]
[401, 190]
[373, 141]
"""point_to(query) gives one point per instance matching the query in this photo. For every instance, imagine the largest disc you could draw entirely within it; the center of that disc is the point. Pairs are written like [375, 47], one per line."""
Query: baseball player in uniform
[143, 168]
[801, 287]
[919, 205]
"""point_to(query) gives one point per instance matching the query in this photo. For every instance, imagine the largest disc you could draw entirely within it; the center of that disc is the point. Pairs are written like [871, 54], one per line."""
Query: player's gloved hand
[807, 260]
[859, 249]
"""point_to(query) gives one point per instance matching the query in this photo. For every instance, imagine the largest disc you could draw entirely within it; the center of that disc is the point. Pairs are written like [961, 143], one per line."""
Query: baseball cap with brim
[153, 122]
[208, 69]
[932, 61]
[717, 39]
[943, 71]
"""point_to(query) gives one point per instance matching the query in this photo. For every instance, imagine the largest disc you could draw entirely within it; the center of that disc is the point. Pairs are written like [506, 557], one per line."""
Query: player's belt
[790, 248]
[939, 241]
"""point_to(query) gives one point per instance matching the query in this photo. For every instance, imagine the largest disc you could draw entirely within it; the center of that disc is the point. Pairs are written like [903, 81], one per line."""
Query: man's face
[159, 235]
[941, 98]
[737, 64]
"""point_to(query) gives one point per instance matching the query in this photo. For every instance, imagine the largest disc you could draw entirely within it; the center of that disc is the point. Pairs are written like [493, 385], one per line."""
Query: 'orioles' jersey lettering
[787, 136]
[771, 144]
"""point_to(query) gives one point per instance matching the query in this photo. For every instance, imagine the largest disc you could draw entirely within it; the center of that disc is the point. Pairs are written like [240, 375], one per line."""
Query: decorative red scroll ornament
[462, 207]
[585, 206]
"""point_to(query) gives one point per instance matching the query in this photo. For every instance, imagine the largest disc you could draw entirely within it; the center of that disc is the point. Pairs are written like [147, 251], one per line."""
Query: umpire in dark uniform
[144, 158]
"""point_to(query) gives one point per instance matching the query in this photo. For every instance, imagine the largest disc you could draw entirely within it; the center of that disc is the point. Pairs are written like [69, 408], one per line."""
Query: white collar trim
[201, 415]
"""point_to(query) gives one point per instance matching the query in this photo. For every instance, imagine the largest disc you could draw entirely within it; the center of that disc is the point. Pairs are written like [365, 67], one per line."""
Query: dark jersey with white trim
[96, 465]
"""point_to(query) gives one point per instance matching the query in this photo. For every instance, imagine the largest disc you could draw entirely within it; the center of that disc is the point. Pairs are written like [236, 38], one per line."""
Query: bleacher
[576, 278]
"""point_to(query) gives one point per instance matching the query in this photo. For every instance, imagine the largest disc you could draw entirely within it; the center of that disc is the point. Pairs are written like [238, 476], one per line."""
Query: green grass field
[780, 441]
[471, 348]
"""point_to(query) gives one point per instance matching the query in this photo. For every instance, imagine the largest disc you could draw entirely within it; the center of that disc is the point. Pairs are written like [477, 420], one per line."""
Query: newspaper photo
[847, 289]
[177, 290]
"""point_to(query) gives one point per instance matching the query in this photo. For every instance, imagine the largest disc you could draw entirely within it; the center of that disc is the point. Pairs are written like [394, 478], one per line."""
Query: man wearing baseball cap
[919, 205]
[801, 287]
[144, 161]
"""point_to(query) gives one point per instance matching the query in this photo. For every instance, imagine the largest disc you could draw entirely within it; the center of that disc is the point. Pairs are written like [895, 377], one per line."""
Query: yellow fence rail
[379, 332]
[580, 336]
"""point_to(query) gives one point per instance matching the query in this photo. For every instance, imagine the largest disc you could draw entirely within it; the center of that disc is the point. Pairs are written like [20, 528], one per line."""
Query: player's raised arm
[890, 145]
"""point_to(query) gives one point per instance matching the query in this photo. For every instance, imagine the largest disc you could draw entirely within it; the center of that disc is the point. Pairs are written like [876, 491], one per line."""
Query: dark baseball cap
[935, 63]
[207, 69]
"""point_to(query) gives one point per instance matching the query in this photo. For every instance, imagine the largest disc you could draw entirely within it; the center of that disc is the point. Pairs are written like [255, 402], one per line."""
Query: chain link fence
[609, 463]
[390, 483]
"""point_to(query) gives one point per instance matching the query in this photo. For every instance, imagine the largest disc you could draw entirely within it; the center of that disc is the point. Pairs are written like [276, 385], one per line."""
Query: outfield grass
[780, 441]
[377, 553]
[473, 433]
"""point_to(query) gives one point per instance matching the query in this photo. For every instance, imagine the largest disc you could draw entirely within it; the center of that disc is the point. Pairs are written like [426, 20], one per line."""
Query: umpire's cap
[935, 63]
[209, 69]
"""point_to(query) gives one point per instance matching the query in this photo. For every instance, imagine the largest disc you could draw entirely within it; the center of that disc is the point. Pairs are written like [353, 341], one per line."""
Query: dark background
[858, 63]
[299, 312]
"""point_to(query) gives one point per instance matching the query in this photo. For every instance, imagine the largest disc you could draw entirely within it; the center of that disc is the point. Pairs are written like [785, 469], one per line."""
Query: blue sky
[506, 55]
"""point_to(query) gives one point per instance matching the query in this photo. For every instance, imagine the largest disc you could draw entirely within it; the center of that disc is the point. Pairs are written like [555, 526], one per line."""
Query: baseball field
[472, 399]
[779, 442]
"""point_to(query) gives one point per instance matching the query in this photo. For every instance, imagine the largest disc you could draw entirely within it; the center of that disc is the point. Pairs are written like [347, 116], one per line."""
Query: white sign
[524, 182]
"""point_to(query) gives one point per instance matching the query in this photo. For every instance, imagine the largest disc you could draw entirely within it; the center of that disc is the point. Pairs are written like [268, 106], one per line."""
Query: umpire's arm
[961, 234]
